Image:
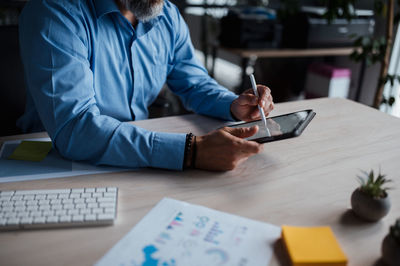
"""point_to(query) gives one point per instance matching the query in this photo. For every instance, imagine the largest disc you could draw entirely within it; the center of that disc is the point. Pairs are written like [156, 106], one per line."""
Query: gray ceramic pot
[391, 251]
[369, 208]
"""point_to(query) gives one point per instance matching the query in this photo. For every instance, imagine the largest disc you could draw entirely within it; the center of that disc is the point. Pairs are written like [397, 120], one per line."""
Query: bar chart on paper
[179, 233]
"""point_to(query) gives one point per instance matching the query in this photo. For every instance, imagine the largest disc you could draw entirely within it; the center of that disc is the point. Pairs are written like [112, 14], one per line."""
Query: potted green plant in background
[391, 245]
[371, 201]
[377, 50]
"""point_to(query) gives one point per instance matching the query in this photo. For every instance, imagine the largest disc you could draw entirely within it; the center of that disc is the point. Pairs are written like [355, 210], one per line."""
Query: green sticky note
[34, 151]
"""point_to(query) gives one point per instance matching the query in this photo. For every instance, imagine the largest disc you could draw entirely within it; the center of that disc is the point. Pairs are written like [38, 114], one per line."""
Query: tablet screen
[278, 125]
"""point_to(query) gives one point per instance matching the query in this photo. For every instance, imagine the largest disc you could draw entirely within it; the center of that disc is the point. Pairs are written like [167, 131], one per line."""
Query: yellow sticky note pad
[31, 151]
[312, 246]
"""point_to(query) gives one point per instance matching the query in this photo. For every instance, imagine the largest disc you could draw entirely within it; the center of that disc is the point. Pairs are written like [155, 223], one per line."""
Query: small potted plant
[371, 201]
[391, 245]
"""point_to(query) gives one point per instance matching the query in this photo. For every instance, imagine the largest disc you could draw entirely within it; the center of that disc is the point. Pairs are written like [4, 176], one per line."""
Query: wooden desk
[301, 181]
[250, 56]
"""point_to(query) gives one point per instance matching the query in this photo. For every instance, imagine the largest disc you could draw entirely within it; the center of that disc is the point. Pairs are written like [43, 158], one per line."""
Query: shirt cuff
[168, 151]
[224, 107]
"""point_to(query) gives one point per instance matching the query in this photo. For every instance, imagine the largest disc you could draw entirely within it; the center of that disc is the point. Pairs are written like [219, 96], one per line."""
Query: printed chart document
[52, 166]
[179, 233]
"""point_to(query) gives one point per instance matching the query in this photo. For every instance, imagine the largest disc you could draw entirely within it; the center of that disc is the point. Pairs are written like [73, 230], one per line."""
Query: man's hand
[245, 107]
[226, 148]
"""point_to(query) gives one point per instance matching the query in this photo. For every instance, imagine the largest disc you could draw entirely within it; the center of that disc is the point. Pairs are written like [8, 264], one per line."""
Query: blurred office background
[289, 77]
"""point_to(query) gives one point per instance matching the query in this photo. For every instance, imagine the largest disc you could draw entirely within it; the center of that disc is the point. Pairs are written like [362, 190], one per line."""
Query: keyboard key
[7, 193]
[44, 207]
[12, 221]
[19, 203]
[67, 201]
[80, 206]
[52, 196]
[52, 219]
[74, 195]
[20, 197]
[106, 200]
[107, 205]
[40, 196]
[35, 214]
[78, 190]
[7, 209]
[85, 211]
[44, 202]
[32, 202]
[26, 220]
[73, 212]
[23, 214]
[69, 206]
[39, 220]
[111, 189]
[97, 211]
[63, 196]
[109, 210]
[48, 213]
[60, 212]
[105, 216]
[90, 200]
[65, 218]
[57, 207]
[80, 200]
[93, 205]
[5, 198]
[110, 194]
[55, 201]
[8, 204]
[29, 197]
[32, 208]
[90, 217]
[77, 218]
[10, 215]
[19, 208]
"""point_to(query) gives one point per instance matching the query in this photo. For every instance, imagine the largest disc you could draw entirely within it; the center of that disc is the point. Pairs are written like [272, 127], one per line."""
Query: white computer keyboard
[23, 209]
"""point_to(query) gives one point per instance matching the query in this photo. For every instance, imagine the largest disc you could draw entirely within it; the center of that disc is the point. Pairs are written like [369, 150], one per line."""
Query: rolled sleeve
[223, 107]
[168, 150]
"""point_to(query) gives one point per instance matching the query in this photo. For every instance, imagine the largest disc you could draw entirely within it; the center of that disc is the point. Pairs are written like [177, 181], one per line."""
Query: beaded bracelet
[193, 163]
[188, 148]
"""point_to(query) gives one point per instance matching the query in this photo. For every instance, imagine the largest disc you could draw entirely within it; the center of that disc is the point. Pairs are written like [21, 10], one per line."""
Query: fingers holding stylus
[248, 98]
[265, 99]
[246, 106]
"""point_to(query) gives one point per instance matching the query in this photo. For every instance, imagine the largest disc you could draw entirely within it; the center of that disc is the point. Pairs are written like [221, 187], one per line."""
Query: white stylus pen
[254, 85]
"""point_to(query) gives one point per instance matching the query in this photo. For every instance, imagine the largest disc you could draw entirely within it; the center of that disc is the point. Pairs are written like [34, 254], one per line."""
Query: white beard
[148, 13]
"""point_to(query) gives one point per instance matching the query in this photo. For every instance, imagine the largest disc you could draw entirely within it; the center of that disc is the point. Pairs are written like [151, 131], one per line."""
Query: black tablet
[280, 127]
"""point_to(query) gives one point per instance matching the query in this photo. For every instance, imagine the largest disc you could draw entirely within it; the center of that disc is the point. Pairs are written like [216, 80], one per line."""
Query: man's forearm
[103, 140]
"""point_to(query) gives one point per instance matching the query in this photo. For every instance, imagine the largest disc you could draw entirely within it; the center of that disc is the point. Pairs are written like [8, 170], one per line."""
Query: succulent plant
[395, 231]
[374, 186]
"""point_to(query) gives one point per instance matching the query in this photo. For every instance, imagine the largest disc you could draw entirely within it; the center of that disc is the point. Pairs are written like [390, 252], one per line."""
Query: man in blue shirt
[93, 65]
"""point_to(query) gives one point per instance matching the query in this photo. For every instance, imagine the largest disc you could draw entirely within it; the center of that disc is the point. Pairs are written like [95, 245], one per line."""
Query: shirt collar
[105, 6]
[109, 6]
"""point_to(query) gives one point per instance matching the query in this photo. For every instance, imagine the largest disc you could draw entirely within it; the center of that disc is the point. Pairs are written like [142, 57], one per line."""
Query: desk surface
[301, 181]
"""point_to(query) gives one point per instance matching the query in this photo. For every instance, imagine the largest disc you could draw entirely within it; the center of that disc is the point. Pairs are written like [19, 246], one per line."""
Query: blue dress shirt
[88, 71]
